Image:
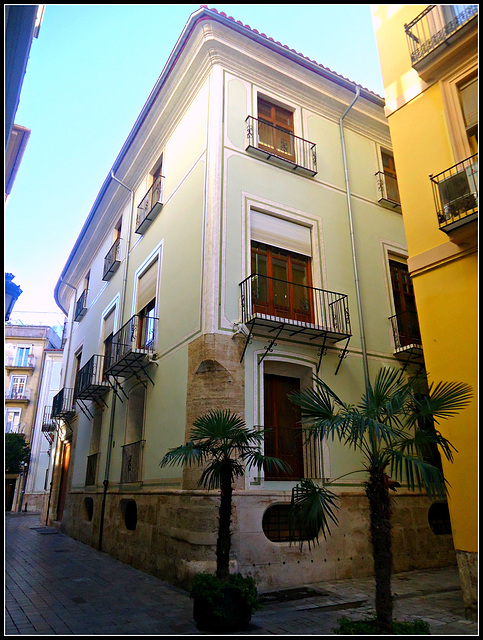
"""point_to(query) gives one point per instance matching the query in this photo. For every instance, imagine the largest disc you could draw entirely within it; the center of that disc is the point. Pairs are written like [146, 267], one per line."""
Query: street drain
[44, 531]
[287, 595]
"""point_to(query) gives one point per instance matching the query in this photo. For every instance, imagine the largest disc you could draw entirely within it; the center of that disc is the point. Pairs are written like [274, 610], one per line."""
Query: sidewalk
[58, 586]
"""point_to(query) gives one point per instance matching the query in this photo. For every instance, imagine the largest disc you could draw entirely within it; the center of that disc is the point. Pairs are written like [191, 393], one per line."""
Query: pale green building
[248, 236]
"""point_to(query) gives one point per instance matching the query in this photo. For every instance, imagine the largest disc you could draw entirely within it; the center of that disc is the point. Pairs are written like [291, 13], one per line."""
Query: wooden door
[63, 480]
[282, 417]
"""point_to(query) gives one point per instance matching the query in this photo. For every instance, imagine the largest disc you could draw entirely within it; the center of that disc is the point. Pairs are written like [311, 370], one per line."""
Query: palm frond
[417, 473]
[189, 453]
[312, 509]
[445, 399]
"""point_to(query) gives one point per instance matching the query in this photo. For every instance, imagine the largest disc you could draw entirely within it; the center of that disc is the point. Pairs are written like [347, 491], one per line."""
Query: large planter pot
[229, 613]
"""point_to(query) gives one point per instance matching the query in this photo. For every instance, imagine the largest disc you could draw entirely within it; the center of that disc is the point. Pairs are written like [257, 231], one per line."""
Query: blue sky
[88, 77]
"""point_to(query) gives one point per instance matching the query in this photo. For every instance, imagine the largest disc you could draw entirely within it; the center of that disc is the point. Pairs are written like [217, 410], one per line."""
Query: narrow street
[58, 586]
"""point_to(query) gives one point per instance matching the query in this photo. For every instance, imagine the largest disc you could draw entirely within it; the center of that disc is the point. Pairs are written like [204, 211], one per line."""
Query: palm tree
[225, 446]
[393, 426]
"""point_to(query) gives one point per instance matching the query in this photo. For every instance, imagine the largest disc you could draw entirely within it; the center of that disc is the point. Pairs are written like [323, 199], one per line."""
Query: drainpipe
[114, 396]
[353, 241]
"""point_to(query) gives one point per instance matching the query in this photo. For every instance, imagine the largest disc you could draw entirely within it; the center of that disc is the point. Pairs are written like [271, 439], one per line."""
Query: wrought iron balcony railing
[48, 423]
[90, 383]
[388, 189]
[132, 346]
[281, 146]
[296, 305]
[150, 205]
[63, 404]
[21, 362]
[81, 306]
[436, 25]
[132, 462]
[405, 329]
[111, 261]
[18, 395]
[455, 193]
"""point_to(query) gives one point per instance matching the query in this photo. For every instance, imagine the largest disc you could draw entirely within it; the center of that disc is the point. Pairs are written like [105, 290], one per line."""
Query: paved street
[58, 586]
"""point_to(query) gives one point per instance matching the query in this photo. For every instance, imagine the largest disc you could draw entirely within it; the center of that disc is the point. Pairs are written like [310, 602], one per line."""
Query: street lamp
[12, 292]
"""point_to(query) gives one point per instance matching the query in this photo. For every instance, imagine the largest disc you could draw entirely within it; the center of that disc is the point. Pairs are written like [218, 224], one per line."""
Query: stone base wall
[468, 571]
[173, 536]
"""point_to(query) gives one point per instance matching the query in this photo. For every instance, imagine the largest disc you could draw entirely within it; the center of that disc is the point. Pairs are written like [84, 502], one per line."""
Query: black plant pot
[231, 613]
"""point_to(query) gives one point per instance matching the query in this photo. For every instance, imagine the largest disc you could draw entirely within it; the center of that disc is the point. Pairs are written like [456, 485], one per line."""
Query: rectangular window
[468, 97]
[146, 306]
[12, 420]
[284, 283]
[17, 386]
[390, 178]
[22, 357]
[276, 129]
[404, 304]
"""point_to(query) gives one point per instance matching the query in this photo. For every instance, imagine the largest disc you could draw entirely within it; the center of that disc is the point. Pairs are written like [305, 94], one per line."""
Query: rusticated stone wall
[174, 537]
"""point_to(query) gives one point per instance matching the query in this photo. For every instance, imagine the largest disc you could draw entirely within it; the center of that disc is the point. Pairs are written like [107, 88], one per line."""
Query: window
[146, 306]
[404, 304]
[22, 357]
[390, 178]
[468, 98]
[12, 420]
[107, 333]
[275, 129]
[281, 260]
[277, 527]
[17, 386]
[282, 418]
[283, 284]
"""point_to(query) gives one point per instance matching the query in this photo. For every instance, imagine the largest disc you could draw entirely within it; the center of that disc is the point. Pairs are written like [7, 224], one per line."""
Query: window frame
[454, 113]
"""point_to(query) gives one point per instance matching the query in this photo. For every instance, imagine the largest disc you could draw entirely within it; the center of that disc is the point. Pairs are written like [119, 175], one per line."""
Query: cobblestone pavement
[58, 586]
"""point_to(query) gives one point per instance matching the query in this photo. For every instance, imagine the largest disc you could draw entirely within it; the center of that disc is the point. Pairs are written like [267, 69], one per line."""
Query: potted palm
[224, 447]
[392, 426]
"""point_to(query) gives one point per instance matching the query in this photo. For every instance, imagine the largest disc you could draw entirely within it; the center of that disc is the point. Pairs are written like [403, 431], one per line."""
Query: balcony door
[282, 418]
[275, 129]
[405, 304]
[284, 285]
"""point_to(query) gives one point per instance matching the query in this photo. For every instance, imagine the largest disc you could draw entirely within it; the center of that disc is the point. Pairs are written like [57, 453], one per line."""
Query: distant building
[250, 223]
[429, 62]
[30, 354]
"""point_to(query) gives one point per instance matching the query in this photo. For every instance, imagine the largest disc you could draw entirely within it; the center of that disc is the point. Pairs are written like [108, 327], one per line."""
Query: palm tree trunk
[377, 490]
[224, 523]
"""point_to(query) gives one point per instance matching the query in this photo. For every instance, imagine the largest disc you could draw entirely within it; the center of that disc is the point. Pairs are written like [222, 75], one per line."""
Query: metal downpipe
[353, 241]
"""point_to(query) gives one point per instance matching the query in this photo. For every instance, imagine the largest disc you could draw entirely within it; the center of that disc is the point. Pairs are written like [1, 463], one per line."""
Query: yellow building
[429, 64]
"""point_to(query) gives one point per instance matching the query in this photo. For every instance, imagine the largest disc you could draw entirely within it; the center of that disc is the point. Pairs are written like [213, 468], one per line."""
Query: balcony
[455, 192]
[273, 308]
[407, 337]
[111, 261]
[81, 307]
[63, 404]
[280, 147]
[48, 424]
[17, 396]
[21, 362]
[90, 383]
[438, 32]
[388, 191]
[150, 205]
[132, 462]
[132, 347]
